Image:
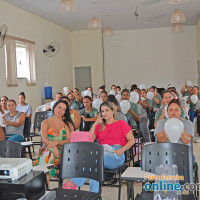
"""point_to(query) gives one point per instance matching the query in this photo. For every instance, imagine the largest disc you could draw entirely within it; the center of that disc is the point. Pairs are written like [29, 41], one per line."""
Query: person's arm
[47, 108]
[2, 134]
[92, 130]
[188, 100]
[155, 99]
[135, 113]
[1, 110]
[19, 121]
[77, 119]
[183, 89]
[44, 130]
[129, 144]
[29, 114]
[144, 103]
[162, 116]
[89, 119]
[162, 137]
[74, 95]
[185, 137]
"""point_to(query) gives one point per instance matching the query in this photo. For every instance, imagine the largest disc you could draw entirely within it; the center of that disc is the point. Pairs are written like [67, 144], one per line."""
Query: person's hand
[139, 101]
[98, 121]
[119, 151]
[165, 136]
[129, 111]
[83, 117]
[52, 144]
[185, 135]
[56, 151]
[163, 112]
[6, 123]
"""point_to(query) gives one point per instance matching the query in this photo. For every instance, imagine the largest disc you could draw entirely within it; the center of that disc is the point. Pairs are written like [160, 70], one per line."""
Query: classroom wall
[56, 71]
[151, 56]
[87, 51]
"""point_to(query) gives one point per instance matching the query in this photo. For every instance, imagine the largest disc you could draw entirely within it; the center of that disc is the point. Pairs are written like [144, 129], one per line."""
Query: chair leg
[29, 151]
[120, 185]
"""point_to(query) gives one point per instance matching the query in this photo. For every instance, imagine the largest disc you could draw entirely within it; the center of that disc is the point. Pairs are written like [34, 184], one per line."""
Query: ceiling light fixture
[95, 22]
[177, 28]
[177, 16]
[177, 1]
[67, 6]
[107, 32]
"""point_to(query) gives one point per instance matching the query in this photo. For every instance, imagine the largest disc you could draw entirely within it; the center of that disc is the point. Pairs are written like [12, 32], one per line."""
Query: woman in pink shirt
[115, 134]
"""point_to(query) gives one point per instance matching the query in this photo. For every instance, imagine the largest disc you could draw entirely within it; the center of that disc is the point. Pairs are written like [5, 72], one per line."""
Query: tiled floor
[110, 193]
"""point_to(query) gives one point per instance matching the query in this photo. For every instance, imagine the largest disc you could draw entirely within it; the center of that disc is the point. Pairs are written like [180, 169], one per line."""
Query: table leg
[130, 190]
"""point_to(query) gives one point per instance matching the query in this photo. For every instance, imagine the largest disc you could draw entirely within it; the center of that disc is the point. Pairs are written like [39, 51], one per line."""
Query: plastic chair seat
[74, 194]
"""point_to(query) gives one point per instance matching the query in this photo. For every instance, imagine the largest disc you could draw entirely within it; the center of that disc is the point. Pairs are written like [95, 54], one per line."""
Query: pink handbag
[81, 136]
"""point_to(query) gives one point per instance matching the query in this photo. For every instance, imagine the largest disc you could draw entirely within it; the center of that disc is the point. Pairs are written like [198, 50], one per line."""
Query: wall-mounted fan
[51, 49]
[3, 33]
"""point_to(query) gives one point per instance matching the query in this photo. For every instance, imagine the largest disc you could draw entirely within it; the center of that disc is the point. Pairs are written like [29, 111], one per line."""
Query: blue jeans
[15, 137]
[111, 161]
[192, 114]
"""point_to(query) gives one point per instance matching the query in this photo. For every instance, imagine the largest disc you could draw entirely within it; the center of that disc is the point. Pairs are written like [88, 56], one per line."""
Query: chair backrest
[168, 154]
[40, 117]
[27, 126]
[82, 159]
[10, 149]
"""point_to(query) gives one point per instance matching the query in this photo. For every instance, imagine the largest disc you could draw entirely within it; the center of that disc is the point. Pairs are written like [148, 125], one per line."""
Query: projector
[14, 168]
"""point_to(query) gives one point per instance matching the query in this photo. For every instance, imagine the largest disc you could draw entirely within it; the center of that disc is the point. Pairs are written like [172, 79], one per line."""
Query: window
[21, 60]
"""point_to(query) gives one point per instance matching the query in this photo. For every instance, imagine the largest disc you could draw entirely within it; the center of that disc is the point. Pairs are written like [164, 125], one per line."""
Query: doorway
[83, 77]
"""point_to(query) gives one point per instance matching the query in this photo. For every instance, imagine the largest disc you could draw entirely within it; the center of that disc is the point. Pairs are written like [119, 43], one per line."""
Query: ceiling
[156, 12]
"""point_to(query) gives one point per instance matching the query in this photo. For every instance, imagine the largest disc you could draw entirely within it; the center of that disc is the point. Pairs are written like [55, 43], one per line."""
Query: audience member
[23, 106]
[14, 121]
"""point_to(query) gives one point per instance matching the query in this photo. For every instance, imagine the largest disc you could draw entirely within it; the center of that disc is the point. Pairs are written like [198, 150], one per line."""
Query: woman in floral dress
[56, 131]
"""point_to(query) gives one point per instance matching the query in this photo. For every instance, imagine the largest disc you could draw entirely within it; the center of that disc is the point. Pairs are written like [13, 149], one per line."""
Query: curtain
[31, 72]
[11, 64]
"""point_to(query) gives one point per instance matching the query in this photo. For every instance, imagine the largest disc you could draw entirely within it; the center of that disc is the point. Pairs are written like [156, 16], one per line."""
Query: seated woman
[174, 111]
[74, 114]
[56, 131]
[14, 121]
[88, 114]
[23, 106]
[116, 133]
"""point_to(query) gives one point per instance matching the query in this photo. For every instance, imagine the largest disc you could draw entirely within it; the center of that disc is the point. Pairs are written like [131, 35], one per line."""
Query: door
[83, 77]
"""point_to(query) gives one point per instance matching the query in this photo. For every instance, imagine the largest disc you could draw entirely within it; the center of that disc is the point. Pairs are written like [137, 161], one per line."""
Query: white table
[133, 174]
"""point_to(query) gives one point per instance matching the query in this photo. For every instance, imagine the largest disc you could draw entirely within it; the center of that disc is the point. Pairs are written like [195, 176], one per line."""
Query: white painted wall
[87, 51]
[198, 39]
[56, 71]
[151, 56]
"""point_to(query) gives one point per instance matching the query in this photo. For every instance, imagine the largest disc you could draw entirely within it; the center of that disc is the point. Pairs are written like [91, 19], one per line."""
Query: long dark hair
[66, 117]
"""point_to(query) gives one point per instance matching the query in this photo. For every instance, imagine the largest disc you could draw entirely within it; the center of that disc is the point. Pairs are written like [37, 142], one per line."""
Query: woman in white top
[23, 106]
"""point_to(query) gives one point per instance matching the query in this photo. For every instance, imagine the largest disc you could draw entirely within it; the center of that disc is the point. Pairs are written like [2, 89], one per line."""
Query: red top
[114, 133]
